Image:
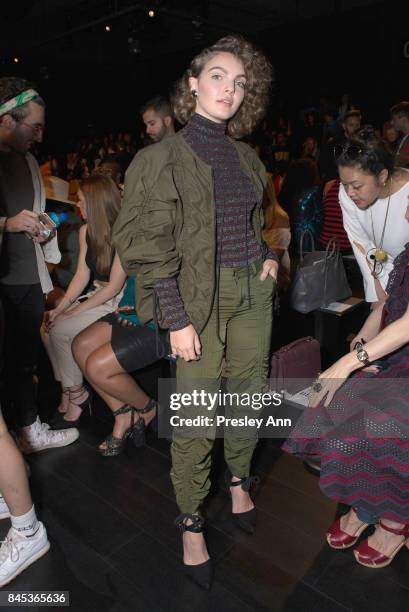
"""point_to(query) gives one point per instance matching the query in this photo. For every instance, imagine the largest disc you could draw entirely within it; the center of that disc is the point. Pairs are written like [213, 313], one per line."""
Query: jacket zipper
[213, 204]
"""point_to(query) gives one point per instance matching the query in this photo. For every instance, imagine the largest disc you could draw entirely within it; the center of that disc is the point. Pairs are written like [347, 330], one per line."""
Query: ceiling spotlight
[107, 28]
[16, 60]
[151, 13]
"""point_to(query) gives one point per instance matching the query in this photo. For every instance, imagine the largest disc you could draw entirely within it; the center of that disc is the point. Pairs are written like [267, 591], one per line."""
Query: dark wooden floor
[114, 546]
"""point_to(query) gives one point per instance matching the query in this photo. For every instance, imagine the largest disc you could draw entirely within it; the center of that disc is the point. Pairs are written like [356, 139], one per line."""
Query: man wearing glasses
[24, 277]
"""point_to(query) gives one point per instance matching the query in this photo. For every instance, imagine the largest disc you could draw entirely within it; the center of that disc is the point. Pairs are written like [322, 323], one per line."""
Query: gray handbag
[320, 277]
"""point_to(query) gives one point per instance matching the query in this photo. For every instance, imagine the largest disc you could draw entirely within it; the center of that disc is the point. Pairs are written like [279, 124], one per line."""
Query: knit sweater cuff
[171, 304]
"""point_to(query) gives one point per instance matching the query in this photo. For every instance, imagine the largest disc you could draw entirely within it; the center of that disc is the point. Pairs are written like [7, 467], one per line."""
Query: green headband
[19, 100]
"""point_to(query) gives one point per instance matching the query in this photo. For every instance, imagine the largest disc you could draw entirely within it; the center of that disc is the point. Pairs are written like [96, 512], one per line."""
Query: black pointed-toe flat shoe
[245, 520]
[201, 574]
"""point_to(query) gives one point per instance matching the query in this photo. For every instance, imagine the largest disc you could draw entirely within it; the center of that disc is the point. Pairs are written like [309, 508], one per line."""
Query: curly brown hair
[259, 75]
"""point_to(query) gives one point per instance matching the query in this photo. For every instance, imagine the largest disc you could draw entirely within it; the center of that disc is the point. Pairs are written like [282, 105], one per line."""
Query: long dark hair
[103, 202]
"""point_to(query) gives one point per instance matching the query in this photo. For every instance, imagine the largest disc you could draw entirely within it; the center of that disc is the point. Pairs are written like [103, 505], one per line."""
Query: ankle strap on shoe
[195, 527]
[403, 531]
[246, 482]
[123, 410]
[149, 406]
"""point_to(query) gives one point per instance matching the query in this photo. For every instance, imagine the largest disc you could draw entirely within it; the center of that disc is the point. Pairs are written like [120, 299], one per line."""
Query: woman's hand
[185, 343]
[125, 310]
[270, 267]
[330, 381]
[50, 317]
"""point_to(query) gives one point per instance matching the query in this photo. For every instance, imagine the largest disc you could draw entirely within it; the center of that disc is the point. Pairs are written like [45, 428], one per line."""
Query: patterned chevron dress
[362, 438]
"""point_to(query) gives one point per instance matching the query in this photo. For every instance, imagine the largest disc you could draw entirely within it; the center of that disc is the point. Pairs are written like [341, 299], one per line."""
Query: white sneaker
[4, 510]
[18, 552]
[39, 436]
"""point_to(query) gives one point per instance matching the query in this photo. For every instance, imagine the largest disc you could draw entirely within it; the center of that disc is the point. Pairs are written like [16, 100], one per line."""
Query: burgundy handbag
[295, 366]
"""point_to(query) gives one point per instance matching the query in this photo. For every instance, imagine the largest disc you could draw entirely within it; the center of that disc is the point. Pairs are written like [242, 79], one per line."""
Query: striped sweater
[333, 225]
[235, 199]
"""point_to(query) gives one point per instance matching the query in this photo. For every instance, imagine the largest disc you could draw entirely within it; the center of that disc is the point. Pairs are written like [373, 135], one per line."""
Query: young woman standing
[191, 232]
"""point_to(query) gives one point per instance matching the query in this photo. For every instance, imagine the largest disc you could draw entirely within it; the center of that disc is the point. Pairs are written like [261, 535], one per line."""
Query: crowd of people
[181, 250]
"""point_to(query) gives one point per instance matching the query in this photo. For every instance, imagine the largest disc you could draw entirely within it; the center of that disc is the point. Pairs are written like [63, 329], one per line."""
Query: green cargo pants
[235, 345]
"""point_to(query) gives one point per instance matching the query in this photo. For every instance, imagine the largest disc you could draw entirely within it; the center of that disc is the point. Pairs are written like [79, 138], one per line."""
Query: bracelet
[362, 356]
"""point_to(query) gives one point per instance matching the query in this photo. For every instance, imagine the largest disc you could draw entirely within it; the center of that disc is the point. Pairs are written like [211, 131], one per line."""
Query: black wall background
[360, 52]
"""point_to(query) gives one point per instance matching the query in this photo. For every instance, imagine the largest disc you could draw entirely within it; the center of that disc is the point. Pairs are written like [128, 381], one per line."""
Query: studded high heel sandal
[115, 446]
[201, 574]
[244, 520]
[139, 435]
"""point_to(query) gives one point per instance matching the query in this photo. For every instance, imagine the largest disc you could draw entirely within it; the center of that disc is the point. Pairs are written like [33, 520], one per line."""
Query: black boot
[201, 574]
[244, 520]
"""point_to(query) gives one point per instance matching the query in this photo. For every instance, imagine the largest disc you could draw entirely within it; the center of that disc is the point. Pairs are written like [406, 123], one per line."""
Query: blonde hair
[103, 202]
[259, 74]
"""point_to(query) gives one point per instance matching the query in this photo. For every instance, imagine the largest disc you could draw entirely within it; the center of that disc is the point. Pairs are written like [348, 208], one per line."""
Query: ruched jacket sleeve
[146, 233]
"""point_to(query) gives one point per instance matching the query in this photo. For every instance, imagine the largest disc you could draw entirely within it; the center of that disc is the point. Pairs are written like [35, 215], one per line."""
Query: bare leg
[194, 547]
[90, 339]
[350, 522]
[241, 500]
[13, 475]
[84, 346]
[93, 352]
[384, 541]
[116, 387]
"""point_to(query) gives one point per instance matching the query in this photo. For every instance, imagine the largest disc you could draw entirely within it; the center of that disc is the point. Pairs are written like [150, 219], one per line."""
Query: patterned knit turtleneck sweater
[235, 199]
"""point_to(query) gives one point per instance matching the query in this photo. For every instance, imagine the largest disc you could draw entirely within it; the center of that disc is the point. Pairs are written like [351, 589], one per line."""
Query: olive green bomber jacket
[166, 227]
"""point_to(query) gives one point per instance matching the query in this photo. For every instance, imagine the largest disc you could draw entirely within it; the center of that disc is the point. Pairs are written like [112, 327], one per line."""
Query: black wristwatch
[362, 356]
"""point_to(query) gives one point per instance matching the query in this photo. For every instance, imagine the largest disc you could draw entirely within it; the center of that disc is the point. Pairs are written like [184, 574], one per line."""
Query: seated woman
[365, 453]
[373, 196]
[109, 349]
[99, 201]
